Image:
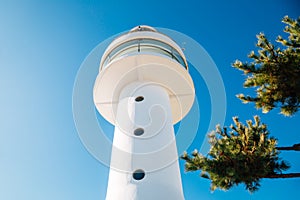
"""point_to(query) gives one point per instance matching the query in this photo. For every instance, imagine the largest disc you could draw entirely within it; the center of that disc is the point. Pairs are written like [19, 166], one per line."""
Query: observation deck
[143, 40]
[147, 56]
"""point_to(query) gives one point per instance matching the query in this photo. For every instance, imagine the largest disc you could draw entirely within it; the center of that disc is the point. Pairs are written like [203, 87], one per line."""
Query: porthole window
[138, 174]
[139, 98]
[138, 132]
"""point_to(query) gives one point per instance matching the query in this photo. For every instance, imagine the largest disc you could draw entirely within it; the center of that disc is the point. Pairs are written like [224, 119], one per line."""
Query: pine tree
[275, 72]
[243, 155]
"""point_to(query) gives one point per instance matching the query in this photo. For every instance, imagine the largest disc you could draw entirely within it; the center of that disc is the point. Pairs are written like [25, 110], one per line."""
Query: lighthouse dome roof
[142, 28]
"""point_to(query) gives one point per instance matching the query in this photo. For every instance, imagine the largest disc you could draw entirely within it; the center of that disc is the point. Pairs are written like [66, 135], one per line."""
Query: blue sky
[42, 45]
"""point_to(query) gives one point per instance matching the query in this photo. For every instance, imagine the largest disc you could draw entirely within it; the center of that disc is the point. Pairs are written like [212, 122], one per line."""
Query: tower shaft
[144, 146]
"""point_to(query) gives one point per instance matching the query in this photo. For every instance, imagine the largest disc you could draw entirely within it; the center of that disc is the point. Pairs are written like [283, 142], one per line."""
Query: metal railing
[144, 46]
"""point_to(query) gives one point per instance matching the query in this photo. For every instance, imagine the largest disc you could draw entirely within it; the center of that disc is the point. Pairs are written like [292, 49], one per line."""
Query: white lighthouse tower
[143, 88]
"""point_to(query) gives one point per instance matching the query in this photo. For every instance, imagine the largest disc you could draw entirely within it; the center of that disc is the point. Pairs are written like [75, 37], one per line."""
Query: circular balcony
[143, 56]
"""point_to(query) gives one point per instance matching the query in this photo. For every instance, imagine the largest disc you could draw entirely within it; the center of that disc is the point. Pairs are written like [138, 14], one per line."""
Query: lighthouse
[143, 88]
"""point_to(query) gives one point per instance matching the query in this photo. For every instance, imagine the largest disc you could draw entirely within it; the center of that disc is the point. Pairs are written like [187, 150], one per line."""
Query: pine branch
[289, 175]
[242, 155]
[295, 147]
[274, 72]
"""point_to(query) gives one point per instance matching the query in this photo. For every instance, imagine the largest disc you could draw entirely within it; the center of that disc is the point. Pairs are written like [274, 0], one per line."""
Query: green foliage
[243, 155]
[275, 72]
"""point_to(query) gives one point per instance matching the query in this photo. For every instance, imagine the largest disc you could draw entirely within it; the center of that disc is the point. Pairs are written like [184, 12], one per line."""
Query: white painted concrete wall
[154, 152]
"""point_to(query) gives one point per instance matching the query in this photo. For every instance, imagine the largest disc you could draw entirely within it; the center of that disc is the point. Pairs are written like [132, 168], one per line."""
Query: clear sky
[42, 45]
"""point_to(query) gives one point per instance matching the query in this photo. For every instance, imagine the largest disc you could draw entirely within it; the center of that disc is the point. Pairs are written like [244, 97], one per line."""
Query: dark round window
[138, 132]
[139, 98]
[138, 174]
